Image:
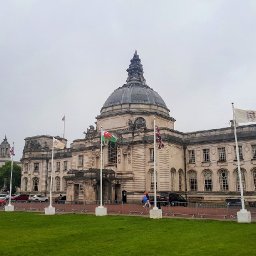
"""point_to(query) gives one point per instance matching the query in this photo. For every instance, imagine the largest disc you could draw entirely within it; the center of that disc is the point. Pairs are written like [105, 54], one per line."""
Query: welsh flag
[107, 136]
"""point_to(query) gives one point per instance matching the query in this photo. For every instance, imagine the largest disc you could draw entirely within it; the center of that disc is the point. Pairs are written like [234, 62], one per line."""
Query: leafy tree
[5, 175]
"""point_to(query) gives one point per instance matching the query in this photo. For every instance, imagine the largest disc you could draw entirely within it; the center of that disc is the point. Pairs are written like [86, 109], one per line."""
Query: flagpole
[51, 174]
[64, 120]
[10, 193]
[238, 160]
[155, 163]
[101, 166]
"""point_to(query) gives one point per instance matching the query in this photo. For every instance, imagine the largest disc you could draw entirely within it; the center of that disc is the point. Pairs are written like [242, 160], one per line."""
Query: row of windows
[223, 180]
[222, 157]
[37, 166]
[35, 184]
[208, 181]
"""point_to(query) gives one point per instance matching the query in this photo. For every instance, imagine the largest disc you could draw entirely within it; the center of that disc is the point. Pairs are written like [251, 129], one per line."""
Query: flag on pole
[12, 151]
[58, 144]
[245, 116]
[63, 118]
[107, 136]
[159, 138]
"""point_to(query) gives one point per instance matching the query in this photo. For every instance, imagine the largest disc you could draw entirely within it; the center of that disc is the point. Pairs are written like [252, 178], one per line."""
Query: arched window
[192, 180]
[172, 181]
[139, 122]
[181, 180]
[223, 178]
[237, 179]
[25, 182]
[35, 184]
[57, 184]
[207, 180]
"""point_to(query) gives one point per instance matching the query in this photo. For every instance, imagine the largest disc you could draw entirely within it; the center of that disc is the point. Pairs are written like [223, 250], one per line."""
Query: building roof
[135, 91]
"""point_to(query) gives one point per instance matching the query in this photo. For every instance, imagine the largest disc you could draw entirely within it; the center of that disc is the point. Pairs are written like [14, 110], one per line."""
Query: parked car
[60, 199]
[20, 197]
[3, 196]
[252, 203]
[233, 202]
[176, 199]
[38, 198]
[2, 202]
[161, 200]
[166, 198]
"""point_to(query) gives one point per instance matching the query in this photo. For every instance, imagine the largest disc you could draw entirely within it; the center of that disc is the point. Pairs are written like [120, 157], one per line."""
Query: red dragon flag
[107, 136]
[159, 138]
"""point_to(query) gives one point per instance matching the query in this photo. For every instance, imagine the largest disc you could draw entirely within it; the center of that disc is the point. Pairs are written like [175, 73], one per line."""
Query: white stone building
[201, 165]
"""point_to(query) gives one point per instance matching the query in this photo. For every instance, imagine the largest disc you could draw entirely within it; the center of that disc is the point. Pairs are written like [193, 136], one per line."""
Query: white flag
[58, 144]
[245, 116]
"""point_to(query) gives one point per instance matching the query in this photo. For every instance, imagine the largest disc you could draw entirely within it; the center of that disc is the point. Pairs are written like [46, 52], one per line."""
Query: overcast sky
[66, 57]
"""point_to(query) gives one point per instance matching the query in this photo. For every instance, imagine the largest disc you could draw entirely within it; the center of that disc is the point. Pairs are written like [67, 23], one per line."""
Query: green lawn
[73, 234]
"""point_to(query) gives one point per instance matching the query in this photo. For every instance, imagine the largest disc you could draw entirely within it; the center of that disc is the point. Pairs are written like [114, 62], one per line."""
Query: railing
[183, 210]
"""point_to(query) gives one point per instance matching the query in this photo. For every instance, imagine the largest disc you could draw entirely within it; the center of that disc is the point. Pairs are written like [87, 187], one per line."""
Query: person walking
[145, 200]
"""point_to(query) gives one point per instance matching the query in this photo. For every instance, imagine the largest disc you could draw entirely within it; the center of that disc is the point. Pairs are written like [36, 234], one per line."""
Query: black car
[173, 199]
[176, 199]
[60, 200]
[233, 202]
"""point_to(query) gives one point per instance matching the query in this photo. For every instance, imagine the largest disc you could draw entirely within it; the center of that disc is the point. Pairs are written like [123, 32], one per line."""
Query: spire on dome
[135, 70]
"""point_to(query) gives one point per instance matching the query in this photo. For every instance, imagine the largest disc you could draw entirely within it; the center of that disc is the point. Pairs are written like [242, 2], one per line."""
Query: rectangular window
[208, 184]
[191, 156]
[112, 153]
[151, 154]
[58, 166]
[222, 154]
[240, 150]
[206, 155]
[26, 168]
[152, 181]
[50, 166]
[81, 160]
[253, 151]
[36, 166]
[65, 165]
[193, 184]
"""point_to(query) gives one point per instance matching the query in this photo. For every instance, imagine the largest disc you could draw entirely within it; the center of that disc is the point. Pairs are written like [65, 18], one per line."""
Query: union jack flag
[159, 138]
[12, 151]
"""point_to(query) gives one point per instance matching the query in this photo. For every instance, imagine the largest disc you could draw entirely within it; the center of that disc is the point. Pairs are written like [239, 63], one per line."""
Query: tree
[5, 175]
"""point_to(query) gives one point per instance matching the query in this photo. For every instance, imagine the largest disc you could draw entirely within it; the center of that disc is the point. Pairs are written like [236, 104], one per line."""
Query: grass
[38, 234]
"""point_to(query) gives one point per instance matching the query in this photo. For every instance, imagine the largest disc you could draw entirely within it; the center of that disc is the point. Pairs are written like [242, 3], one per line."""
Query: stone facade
[200, 164]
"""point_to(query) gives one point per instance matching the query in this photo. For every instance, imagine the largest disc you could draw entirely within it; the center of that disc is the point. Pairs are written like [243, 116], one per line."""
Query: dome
[136, 94]
[135, 91]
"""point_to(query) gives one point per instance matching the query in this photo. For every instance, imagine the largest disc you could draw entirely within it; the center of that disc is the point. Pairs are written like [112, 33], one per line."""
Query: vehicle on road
[38, 198]
[60, 199]
[2, 202]
[20, 197]
[252, 203]
[233, 202]
[3, 196]
[169, 198]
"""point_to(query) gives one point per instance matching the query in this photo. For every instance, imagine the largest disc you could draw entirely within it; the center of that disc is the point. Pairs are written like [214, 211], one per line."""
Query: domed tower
[134, 100]
[5, 149]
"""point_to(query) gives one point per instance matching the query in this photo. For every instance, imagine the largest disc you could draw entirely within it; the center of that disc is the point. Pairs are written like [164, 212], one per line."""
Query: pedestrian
[148, 201]
[145, 200]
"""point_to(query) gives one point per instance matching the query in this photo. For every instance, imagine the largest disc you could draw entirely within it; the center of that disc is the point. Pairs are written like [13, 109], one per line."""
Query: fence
[188, 210]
